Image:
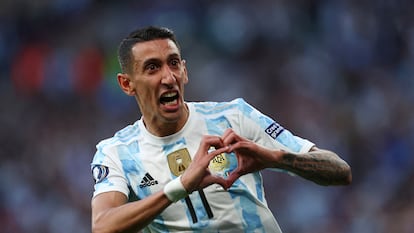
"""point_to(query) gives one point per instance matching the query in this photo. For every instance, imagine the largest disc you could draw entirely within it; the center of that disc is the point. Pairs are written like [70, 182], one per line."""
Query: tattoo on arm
[320, 166]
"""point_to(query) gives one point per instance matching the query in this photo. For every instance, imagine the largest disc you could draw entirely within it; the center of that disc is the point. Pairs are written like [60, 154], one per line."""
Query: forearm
[130, 217]
[320, 166]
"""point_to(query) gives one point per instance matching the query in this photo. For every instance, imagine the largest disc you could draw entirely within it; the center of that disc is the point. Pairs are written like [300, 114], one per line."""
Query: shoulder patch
[99, 172]
[274, 130]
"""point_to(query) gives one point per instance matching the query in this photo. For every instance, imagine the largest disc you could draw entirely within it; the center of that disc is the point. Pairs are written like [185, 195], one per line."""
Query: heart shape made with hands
[241, 157]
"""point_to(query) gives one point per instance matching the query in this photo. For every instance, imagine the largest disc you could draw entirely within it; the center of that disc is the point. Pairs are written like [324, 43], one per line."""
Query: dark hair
[141, 35]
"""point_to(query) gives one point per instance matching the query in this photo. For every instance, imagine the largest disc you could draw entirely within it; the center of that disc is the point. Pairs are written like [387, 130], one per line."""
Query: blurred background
[339, 73]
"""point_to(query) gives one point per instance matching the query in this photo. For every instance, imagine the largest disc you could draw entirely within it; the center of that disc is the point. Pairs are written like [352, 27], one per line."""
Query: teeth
[171, 94]
[170, 98]
[171, 102]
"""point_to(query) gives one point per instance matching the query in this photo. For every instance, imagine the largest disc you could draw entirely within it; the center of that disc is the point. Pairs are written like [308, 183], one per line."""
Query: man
[192, 167]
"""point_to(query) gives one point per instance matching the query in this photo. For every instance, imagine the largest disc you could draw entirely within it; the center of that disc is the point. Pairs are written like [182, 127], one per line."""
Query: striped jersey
[138, 164]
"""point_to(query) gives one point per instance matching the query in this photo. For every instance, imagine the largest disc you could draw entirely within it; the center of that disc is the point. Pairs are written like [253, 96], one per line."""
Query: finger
[215, 152]
[211, 179]
[238, 148]
[230, 137]
[216, 142]
[209, 141]
[203, 159]
[227, 132]
[233, 176]
[206, 143]
[220, 150]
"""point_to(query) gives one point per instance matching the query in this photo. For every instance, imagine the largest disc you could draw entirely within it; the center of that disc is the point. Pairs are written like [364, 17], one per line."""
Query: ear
[185, 72]
[124, 81]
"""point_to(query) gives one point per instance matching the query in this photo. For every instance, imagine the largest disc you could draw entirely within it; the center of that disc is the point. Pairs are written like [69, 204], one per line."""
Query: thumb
[212, 179]
[221, 181]
[233, 176]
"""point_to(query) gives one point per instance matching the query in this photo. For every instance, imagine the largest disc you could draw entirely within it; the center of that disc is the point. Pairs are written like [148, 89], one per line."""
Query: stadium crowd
[339, 73]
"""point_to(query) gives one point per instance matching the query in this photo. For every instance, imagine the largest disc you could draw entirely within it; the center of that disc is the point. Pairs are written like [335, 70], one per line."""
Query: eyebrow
[156, 60]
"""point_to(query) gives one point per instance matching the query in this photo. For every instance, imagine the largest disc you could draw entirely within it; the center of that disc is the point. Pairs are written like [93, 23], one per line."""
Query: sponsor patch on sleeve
[99, 172]
[274, 130]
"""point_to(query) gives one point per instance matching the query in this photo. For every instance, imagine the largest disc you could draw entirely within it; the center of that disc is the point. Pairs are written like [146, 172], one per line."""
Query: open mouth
[170, 98]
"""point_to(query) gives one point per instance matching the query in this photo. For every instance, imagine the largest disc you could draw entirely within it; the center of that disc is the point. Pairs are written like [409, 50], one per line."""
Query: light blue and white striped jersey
[138, 164]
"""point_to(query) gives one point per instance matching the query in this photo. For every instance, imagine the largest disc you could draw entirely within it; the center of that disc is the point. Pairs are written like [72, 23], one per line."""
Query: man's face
[158, 79]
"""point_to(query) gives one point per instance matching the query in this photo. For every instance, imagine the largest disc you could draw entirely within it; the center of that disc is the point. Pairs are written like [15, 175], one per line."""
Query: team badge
[178, 161]
[99, 172]
[219, 165]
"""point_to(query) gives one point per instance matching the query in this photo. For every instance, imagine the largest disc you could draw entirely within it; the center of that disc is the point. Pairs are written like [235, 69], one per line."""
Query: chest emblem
[220, 165]
[178, 161]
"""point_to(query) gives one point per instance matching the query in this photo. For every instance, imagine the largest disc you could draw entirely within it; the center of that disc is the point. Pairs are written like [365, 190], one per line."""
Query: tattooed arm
[320, 166]
[323, 167]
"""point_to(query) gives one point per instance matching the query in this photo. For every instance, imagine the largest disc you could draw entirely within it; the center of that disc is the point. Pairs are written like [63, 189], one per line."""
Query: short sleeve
[108, 173]
[267, 132]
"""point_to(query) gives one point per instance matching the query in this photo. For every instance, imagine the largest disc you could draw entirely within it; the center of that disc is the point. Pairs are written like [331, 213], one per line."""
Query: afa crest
[220, 165]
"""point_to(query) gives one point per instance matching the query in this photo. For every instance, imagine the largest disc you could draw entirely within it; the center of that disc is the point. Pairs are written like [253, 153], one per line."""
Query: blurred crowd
[339, 73]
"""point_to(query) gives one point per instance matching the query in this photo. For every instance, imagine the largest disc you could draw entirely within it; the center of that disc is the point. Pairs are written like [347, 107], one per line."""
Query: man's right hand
[197, 176]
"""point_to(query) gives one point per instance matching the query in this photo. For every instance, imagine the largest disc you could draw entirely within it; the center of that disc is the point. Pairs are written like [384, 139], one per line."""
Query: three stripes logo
[147, 181]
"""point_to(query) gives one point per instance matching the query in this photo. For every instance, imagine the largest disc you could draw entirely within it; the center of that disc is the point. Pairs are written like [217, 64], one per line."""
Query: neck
[165, 128]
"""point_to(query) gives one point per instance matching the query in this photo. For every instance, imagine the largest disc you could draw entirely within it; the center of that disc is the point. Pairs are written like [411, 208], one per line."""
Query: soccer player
[192, 166]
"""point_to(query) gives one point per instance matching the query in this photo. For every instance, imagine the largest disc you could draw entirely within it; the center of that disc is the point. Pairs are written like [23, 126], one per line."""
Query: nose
[168, 77]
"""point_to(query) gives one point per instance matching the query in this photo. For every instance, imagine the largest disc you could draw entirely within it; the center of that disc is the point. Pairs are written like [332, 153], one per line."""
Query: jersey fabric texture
[137, 164]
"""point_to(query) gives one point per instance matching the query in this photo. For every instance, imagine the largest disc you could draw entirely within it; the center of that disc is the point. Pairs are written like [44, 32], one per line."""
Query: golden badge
[178, 161]
[218, 165]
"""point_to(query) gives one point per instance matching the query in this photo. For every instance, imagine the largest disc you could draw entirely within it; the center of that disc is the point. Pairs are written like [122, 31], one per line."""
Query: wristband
[174, 190]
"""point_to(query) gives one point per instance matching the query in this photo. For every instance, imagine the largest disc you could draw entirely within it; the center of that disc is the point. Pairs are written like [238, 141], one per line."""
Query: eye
[151, 67]
[175, 62]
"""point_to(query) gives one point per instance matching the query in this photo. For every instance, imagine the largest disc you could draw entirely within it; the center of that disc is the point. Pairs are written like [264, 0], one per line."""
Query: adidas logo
[147, 181]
